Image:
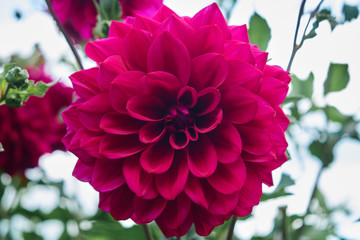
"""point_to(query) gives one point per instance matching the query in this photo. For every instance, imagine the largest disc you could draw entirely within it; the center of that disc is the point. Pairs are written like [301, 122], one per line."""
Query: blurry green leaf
[32, 236]
[39, 89]
[322, 150]
[337, 78]
[285, 181]
[334, 115]
[350, 12]
[1, 148]
[259, 31]
[302, 88]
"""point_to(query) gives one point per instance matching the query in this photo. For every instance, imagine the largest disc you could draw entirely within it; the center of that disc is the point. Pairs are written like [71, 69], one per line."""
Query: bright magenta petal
[152, 132]
[158, 157]
[121, 124]
[147, 108]
[199, 191]
[102, 49]
[119, 146]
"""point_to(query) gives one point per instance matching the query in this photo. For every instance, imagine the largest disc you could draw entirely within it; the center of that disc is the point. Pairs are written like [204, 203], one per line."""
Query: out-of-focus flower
[33, 129]
[180, 121]
[77, 16]
[146, 8]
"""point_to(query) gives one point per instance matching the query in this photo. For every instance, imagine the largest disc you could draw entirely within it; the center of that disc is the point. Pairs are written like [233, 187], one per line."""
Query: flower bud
[17, 76]
[13, 100]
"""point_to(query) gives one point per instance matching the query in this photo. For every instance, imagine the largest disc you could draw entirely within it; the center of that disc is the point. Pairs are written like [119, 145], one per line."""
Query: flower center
[178, 118]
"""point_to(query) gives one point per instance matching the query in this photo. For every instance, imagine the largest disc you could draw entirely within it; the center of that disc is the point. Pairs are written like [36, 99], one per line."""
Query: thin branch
[147, 232]
[231, 228]
[68, 40]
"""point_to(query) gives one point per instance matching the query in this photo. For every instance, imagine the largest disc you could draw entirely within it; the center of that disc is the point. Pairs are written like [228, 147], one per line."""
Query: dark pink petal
[146, 108]
[239, 33]
[90, 121]
[229, 178]
[251, 192]
[119, 29]
[152, 132]
[84, 82]
[122, 124]
[163, 13]
[120, 146]
[207, 100]
[161, 85]
[97, 104]
[208, 39]
[202, 159]
[227, 142]
[100, 50]
[178, 28]
[265, 114]
[238, 104]
[108, 70]
[134, 49]
[204, 221]
[260, 57]
[107, 175]
[104, 200]
[277, 136]
[208, 122]
[208, 70]
[158, 157]
[148, 210]
[224, 204]
[244, 74]
[211, 15]
[145, 23]
[90, 144]
[123, 88]
[255, 140]
[199, 191]
[178, 232]
[136, 178]
[240, 51]
[193, 135]
[83, 171]
[179, 139]
[187, 96]
[172, 182]
[175, 213]
[169, 54]
[263, 172]
[122, 203]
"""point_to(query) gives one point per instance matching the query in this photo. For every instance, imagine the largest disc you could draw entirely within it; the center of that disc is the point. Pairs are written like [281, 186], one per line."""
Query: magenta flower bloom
[33, 129]
[180, 121]
[146, 8]
[77, 16]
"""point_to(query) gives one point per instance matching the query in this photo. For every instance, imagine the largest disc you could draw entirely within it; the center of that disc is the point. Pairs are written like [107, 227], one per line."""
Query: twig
[231, 228]
[147, 231]
[68, 40]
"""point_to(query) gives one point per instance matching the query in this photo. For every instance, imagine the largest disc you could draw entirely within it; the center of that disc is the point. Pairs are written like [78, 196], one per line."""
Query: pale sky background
[340, 182]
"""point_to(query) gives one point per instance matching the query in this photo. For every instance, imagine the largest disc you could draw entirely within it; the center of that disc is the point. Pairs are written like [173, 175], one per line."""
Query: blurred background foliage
[18, 221]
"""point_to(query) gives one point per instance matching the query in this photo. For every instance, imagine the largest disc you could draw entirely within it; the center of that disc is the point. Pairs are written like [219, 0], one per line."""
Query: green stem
[62, 29]
[231, 228]
[147, 232]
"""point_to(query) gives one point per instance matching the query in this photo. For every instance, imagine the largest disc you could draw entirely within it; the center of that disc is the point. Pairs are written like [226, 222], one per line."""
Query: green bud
[13, 100]
[24, 86]
[17, 76]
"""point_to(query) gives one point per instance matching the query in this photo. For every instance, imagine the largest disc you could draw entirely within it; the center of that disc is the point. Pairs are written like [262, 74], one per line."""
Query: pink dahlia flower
[77, 16]
[180, 121]
[143, 7]
[33, 129]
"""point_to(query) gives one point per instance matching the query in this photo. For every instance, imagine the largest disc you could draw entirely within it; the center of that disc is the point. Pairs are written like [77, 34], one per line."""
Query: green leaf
[1, 148]
[302, 88]
[323, 150]
[333, 114]
[259, 31]
[39, 89]
[350, 12]
[285, 181]
[337, 78]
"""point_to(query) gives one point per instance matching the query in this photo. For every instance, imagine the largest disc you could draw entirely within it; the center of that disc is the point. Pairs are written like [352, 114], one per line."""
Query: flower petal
[227, 142]
[148, 210]
[107, 175]
[122, 124]
[199, 191]
[229, 178]
[119, 29]
[202, 159]
[158, 157]
[122, 203]
[146, 108]
[84, 82]
[169, 54]
[119, 146]
[224, 204]
[239, 33]
[208, 70]
[208, 122]
[234, 50]
[208, 39]
[255, 140]
[172, 182]
[100, 50]
[152, 132]
[108, 70]
[187, 96]
[179, 139]
[83, 171]
[244, 74]
[163, 13]
[207, 100]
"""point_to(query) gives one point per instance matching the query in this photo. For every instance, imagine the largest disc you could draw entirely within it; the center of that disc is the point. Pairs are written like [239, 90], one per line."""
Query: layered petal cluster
[77, 16]
[142, 7]
[180, 121]
[36, 128]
